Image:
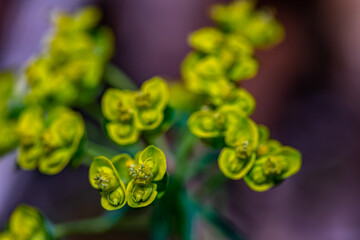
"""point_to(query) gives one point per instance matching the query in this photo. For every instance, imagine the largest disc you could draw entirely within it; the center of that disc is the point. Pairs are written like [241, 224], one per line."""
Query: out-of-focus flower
[48, 142]
[8, 136]
[266, 145]
[27, 223]
[69, 70]
[259, 26]
[128, 113]
[271, 169]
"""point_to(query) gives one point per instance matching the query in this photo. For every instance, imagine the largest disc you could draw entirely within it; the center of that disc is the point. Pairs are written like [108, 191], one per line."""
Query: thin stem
[108, 221]
[187, 143]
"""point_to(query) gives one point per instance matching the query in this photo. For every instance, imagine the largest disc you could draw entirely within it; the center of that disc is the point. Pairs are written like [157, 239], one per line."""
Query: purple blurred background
[307, 92]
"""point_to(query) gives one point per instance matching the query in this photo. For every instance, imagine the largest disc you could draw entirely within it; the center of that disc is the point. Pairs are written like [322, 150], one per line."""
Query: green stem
[211, 184]
[104, 223]
[118, 79]
[187, 143]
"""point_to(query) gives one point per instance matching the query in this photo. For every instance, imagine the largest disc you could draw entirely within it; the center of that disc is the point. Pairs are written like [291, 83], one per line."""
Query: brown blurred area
[307, 92]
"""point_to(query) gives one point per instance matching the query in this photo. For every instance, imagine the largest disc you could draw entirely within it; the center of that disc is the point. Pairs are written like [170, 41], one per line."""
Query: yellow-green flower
[266, 145]
[210, 74]
[271, 169]
[234, 15]
[238, 98]
[123, 179]
[69, 70]
[222, 123]
[127, 113]
[259, 26]
[104, 176]
[150, 168]
[8, 136]
[48, 142]
[237, 158]
[26, 223]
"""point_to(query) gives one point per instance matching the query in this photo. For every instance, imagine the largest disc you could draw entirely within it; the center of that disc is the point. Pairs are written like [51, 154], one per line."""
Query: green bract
[127, 113]
[141, 176]
[273, 168]
[70, 69]
[227, 122]
[8, 136]
[151, 167]
[104, 176]
[232, 60]
[238, 98]
[266, 145]
[26, 223]
[49, 142]
[258, 26]
[242, 139]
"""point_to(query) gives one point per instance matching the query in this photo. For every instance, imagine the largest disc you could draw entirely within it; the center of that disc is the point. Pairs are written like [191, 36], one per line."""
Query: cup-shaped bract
[234, 164]
[123, 163]
[127, 113]
[118, 109]
[61, 140]
[245, 130]
[49, 142]
[204, 74]
[150, 169]
[207, 124]
[25, 223]
[29, 128]
[150, 103]
[266, 145]
[153, 159]
[140, 195]
[104, 177]
[273, 168]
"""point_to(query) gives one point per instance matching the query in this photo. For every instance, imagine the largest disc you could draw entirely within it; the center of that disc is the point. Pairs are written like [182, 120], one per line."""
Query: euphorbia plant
[53, 123]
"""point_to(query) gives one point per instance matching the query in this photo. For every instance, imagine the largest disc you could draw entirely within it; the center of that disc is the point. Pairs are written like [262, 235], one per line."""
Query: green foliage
[48, 142]
[26, 223]
[128, 113]
[69, 70]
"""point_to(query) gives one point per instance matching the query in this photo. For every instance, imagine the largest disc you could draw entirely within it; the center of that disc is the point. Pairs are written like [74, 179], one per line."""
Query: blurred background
[307, 92]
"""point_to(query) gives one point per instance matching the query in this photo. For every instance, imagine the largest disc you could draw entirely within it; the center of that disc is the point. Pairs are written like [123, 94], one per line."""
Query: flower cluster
[8, 136]
[222, 57]
[48, 142]
[128, 113]
[122, 179]
[26, 223]
[70, 68]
